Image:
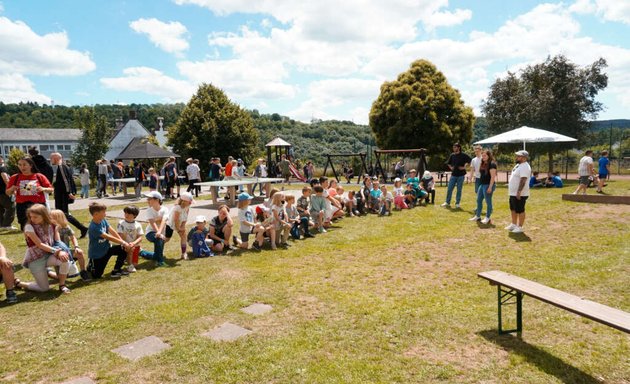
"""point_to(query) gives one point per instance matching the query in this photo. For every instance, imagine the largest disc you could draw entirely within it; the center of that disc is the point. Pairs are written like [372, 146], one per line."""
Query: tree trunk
[550, 167]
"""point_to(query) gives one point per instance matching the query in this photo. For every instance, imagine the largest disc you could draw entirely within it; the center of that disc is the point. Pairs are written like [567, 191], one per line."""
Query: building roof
[39, 134]
[130, 125]
[141, 148]
[277, 142]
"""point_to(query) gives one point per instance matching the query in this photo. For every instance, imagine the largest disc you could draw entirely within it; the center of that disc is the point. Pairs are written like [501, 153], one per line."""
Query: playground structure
[281, 147]
[362, 172]
[378, 168]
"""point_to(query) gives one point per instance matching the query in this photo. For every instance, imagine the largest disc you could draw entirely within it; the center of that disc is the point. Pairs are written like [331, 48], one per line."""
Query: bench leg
[510, 297]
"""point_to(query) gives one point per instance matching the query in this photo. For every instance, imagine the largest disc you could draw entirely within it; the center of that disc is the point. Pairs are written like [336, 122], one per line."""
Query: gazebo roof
[277, 142]
[141, 148]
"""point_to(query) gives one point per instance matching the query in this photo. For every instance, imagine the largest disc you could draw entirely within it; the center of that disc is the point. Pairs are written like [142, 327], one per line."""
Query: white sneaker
[445, 205]
[131, 268]
[474, 218]
[517, 229]
[485, 220]
[456, 206]
[511, 227]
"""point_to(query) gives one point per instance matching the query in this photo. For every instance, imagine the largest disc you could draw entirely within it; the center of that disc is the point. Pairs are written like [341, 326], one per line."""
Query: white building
[47, 140]
[124, 134]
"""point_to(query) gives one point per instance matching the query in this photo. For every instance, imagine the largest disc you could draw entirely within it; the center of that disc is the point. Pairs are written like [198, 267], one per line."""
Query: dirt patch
[617, 212]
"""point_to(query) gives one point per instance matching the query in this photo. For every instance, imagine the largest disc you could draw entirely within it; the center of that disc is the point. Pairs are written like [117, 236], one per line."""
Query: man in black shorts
[518, 188]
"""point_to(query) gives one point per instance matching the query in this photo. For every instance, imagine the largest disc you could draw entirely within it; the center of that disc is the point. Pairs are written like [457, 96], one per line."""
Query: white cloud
[448, 19]
[611, 10]
[25, 52]
[15, 88]
[169, 37]
[153, 82]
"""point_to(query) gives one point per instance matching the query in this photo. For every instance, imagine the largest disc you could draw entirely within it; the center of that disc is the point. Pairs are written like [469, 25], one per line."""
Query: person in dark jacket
[41, 163]
[65, 189]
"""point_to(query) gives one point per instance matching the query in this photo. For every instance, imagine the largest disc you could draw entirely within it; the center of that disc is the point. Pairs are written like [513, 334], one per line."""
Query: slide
[296, 173]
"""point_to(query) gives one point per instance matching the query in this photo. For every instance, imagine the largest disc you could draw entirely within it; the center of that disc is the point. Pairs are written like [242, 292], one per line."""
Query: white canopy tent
[525, 135]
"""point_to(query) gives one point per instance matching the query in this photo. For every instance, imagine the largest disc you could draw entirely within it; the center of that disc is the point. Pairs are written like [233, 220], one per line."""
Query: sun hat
[426, 175]
[186, 196]
[522, 152]
[200, 219]
[397, 179]
[154, 195]
[244, 196]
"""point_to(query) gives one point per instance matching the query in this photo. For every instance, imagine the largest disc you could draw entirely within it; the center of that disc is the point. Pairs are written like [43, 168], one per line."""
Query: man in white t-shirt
[475, 165]
[586, 172]
[518, 188]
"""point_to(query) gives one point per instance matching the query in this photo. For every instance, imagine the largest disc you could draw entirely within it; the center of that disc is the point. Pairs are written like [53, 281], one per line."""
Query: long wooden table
[231, 185]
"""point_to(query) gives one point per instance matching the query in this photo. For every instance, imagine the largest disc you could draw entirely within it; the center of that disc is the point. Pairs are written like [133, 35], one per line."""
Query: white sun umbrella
[527, 135]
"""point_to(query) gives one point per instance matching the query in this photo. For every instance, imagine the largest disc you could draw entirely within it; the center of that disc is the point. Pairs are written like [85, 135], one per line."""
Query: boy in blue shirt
[604, 169]
[99, 250]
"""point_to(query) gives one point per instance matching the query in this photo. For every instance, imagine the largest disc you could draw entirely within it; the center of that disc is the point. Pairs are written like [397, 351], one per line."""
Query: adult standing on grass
[487, 185]
[457, 163]
[604, 171]
[193, 173]
[585, 172]
[41, 163]
[518, 188]
[284, 168]
[139, 176]
[65, 190]
[475, 163]
[29, 186]
[7, 206]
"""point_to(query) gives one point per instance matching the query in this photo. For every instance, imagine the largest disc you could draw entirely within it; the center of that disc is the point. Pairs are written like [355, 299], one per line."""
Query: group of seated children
[377, 199]
[553, 180]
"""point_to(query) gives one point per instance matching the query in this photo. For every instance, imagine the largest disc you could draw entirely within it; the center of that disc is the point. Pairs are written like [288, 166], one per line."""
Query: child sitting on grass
[303, 202]
[131, 231]
[41, 235]
[177, 220]
[198, 238]
[6, 275]
[427, 183]
[283, 227]
[248, 225]
[350, 203]
[318, 208]
[67, 237]
[386, 201]
[99, 250]
[157, 231]
[265, 218]
[375, 196]
[399, 194]
[297, 221]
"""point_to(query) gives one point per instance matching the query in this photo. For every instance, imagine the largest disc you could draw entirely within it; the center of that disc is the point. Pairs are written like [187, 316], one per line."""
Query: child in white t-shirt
[386, 201]
[350, 203]
[247, 224]
[131, 231]
[157, 231]
[177, 219]
[399, 194]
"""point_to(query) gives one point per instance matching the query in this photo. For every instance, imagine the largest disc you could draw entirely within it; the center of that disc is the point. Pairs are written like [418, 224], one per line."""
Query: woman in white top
[85, 181]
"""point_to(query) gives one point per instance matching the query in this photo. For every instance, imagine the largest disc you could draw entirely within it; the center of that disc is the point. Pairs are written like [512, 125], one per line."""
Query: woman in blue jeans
[488, 170]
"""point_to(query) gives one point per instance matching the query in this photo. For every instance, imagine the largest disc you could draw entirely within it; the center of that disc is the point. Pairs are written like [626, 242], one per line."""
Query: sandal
[64, 289]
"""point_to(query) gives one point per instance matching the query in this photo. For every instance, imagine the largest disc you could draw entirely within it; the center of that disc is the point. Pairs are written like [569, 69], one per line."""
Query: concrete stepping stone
[148, 346]
[80, 380]
[227, 332]
[257, 309]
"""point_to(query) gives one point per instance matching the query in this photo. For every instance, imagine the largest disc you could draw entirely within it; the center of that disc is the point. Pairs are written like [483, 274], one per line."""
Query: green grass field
[375, 300]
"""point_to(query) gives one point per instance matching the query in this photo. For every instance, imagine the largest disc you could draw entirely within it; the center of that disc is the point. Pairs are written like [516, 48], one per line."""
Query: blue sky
[304, 59]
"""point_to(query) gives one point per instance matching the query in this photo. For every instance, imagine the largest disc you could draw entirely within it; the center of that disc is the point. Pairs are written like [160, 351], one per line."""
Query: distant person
[7, 206]
[65, 190]
[84, 176]
[604, 171]
[554, 180]
[518, 189]
[535, 182]
[193, 173]
[585, 172]
[102, 178]
[138, 175]
[284, 168]
[475, 163]
[41, 163]
[487, 185]
[457, 163]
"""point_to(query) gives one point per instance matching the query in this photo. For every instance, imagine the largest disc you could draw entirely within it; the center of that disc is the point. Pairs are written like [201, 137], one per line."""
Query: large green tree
[420, 109]
[556, 95]
[213, 126]
[95, 137]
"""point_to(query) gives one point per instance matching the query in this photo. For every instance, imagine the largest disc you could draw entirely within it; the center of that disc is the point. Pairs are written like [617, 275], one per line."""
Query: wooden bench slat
[604, 314]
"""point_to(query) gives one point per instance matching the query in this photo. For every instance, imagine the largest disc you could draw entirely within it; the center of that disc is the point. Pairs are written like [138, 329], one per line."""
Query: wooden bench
[512, 288]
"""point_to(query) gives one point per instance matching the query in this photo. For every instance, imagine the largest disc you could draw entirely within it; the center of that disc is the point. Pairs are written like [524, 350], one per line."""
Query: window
[46, 148]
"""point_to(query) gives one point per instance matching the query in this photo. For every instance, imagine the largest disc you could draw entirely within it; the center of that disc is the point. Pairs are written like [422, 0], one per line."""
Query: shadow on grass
[520, 237]
[545, 361]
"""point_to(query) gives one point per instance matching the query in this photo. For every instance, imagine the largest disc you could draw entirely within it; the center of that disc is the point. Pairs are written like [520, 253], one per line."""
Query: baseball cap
[244, 196]
[154, 195]
[200, 219]
[523, 153]
[426, 175]
[186, 196]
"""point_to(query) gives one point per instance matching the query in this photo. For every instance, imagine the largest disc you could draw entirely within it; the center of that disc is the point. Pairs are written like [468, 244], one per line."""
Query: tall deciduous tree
[420, 109]
[94, 141]
[212, 126]
[556, 95]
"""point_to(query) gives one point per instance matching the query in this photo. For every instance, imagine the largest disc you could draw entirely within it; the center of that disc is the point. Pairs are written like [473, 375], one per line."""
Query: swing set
[362, 156]
[378, 169]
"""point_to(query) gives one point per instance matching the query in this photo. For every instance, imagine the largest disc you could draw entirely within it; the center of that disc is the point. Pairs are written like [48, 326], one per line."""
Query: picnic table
[231, 185]
[126, 180]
